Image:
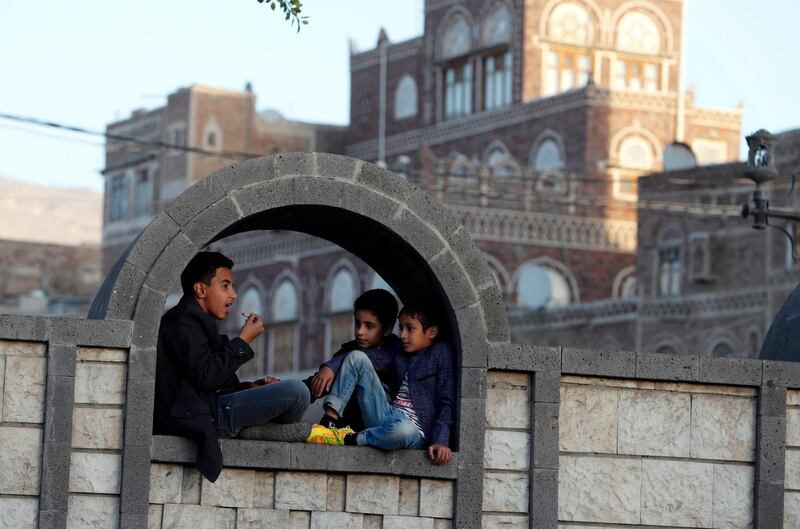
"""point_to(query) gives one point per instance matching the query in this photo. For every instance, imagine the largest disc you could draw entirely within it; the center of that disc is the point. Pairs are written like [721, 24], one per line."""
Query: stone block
[772, 401]
[24, 389]
[338, 166]
[18, 513]
[99, 383]
[100, 354]
[139, 412]
[255, 454]
[504, 521]
[442, 523]
[723, 427]
[198, 517]
[472, 336]
[599, 489]
[739, 371]
[733, 504]
[319, 191]
[470, 436]
[300, 491]
[21, 348]
[419, 235]
[335, 493]
[453, 278]
[544, 497]
[54, 488]
[372, 494]
[408, 504]
[547, 386]
[97, 428]
[544, 437]
[599, 363]
[506, 450]
[793, 427]
[407, 522]
[299, 520]
[786, 374]
[295, 164]
[191, 485]
[166, 482]
[264, 490]
[386, 182]
[76, 331]
[210, 222]
[122, 293]
[337, 520]
[245, 173]
[95, 473]
[791, 510]
[792, 398]
[20, 456]
[153, 239]
[654, 423]
[505, 492]
[469, 493]
[264, 196]
[507, 405]
[233, 488]
[2, 384]
[793, 469]
[22, 327]
[196, 199]
[308, 456]
[771, 449]
[142, 363]
[436, 498]
[155, 513]
[61, 360]
[657, 366]
[162, 276]
[472, 259]
[436, 214]
[494, 314]
[473, 382]
[135, 489]
[261, 518]
[93, 512]
[588, 419]
[521, 357]
[147, 316]
[679, 493]
[372, 521]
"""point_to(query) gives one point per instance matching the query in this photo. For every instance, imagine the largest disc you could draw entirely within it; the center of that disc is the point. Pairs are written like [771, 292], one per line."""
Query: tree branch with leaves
[291, 10]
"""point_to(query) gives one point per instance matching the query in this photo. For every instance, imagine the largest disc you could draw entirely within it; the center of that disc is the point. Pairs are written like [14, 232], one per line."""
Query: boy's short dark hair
[382, 303]
[203, 268]
[422, 312]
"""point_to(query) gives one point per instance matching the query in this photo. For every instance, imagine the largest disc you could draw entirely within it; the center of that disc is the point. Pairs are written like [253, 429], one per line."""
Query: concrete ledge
[299, 456]
[98, 333]
[517, 357]
[17, 327]
[620, 364]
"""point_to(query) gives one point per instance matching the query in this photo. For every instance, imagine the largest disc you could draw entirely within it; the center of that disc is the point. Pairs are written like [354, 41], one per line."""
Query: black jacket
[194, 364]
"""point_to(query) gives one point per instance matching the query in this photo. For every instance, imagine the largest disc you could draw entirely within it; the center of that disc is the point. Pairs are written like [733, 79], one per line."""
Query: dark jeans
[280, 402]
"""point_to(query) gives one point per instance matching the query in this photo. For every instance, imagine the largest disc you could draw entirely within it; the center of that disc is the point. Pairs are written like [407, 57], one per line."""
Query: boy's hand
[439, 454]
[252, 328]
[321, 383]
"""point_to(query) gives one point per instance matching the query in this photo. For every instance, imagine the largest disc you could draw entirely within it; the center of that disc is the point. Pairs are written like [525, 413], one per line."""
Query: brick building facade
[531, 121]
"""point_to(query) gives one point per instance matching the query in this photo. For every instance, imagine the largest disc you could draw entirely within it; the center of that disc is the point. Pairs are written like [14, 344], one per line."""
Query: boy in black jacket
[198, 394]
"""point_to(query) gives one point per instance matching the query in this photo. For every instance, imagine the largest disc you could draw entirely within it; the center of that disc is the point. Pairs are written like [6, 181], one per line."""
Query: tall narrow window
[283, 342]
[342, 296]
[118, 197]
[670, 244]
[637, 76]
[458, 90]
[497, 80]
[566, 69]
[143, 192]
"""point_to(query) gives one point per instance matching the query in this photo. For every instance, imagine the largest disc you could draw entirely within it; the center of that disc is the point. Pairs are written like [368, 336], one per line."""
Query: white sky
[90, 62]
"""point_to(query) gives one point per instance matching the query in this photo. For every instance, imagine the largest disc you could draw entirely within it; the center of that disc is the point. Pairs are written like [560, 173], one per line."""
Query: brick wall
[792, 480]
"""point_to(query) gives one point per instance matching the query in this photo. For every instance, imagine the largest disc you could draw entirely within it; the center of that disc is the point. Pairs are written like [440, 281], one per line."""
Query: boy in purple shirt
[420, 371]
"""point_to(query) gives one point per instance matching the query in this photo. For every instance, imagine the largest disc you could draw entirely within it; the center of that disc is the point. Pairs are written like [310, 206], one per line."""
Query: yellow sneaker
[328, 436]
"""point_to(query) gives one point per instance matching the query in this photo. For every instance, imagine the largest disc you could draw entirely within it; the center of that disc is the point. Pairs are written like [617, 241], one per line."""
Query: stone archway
[407, 237]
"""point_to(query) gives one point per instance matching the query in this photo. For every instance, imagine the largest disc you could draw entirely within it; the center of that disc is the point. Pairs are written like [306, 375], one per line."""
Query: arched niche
[408, 238]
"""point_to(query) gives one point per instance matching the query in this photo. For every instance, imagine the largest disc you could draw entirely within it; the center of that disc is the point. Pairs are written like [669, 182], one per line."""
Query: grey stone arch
[407, 237]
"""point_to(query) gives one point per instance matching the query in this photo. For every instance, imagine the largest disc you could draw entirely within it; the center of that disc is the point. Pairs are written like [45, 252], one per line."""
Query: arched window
[405, 98]
[624, 286]
[670, 248]
[666, 350]
[497, 26]
[548, 156]
[250, 302]
[635, 152]
[283, 331]
[678, 156]
[462, 168]
[565, 66]
[498, 65]
[637, 32]
[500, 161]
[455, 45]
[571, 24]
[540, 287]
[722, 349]
[340, 309]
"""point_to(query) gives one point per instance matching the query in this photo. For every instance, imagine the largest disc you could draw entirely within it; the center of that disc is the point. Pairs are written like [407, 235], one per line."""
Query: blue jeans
[281, 402]
[386, 426]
